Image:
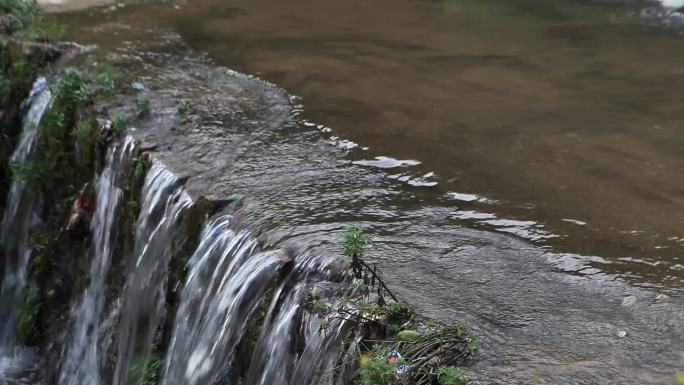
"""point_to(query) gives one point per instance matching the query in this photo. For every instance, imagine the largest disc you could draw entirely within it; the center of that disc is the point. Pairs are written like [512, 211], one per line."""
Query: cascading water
[293, 346]
[82, 356]
[20, 216]
[144, 293]
[226, 281]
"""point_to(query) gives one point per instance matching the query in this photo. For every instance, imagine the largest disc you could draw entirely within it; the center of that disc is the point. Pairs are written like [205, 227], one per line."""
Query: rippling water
[562, 116]
[516, 162]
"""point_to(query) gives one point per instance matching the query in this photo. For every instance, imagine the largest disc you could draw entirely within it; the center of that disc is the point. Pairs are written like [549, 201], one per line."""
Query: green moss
[183, 110]
[44, 28]
[317, 305]
[144, 107]
[450, 375]
[25, 10]
[152, 375]
[120, 123]
[84, 131]
[34, 25]
[28, 325]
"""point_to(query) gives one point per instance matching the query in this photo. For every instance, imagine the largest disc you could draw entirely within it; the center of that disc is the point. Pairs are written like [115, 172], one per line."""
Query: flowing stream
[226, 281]
[20, 217]
[462, 135]
[83, 352]
[144, 294]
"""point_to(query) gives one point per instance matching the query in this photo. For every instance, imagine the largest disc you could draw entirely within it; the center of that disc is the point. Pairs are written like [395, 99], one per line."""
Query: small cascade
[226, 281]
[20, 217]
[294, 347]
[83, 353]
[144, 294]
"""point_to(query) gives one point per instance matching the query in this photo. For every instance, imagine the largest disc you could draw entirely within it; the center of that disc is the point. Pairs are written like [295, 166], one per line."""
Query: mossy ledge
[26, 49]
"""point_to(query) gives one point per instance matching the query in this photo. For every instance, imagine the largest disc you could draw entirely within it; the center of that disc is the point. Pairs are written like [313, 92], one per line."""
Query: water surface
[563, 113]
[514, 177]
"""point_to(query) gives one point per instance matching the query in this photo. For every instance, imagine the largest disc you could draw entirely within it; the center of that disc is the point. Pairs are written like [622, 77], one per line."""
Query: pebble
[662, 296]
[629, 300]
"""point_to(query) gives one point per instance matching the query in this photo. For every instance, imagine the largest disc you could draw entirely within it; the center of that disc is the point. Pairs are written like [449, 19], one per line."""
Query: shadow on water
[520, 137]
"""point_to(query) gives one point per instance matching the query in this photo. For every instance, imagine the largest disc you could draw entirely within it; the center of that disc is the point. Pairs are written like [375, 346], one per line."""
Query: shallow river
[528, 163]
[562, 113]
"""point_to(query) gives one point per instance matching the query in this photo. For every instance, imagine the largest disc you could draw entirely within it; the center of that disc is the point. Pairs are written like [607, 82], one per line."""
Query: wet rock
[286, 255]
[81, 211]
[9, 24]
[338, 270]
[146, 147]
[629, 301]
[216, 203]
[138, 86]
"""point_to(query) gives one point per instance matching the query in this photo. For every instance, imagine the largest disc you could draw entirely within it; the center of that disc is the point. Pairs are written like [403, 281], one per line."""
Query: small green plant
[84, 131]
[152, 375]
[44, 28]
[354, 241]
[183, 110]
[120, 123]
[396, 308]
[144, 107]
[378, 371]
[107, 79]
[34, 175]
[680, 379]
[21, 70]
[325, 324]
[360, 286]
[24, 10]
[318, 305]
[450, 375]
[346, 301]
[74, 88]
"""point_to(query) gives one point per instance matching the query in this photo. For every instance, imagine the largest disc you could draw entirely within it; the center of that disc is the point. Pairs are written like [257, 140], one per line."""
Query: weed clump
[29, 22]
[397, 345]
[69, 120]
[144, 107]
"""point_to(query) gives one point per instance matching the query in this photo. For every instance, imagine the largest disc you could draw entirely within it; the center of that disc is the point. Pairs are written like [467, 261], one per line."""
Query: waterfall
[226, 281]
[82, 352]
[20, 217]
[145, 290]
[294, 348]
